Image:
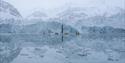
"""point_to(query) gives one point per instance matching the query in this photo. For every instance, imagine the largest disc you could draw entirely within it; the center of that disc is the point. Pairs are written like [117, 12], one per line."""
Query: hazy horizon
[26, 7]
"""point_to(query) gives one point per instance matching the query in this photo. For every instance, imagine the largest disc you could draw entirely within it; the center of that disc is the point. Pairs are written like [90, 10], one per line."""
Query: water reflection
[8, 49]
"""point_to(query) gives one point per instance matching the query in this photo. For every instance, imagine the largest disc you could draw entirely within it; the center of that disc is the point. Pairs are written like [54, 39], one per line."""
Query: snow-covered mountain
[35, 17]
[8, 14]
[78, 16]
[9, 17]
[38, 15]
[93, 17]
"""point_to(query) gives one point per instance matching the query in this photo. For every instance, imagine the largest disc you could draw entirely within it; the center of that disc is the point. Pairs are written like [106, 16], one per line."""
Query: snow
[9, 14]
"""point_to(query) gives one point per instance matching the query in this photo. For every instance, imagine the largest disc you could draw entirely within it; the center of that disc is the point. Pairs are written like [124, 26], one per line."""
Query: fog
[25, 7]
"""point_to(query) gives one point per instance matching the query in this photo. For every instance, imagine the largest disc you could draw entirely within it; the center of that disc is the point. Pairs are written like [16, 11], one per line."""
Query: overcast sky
[26, 6]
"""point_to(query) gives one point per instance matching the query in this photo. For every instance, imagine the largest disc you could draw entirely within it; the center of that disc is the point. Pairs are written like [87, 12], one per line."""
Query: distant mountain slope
[8, 12]
[37, 15]
[9, 17]
[78, 17]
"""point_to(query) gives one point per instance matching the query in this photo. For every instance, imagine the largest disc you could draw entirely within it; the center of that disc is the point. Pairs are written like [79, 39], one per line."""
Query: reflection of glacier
[48, 32]
[103, 32]
[8, 52]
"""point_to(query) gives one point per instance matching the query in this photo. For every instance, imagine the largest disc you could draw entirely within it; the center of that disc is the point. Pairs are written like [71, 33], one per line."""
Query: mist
[26, 7]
